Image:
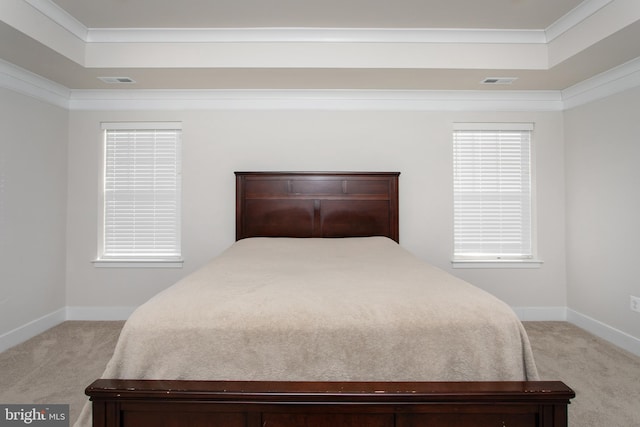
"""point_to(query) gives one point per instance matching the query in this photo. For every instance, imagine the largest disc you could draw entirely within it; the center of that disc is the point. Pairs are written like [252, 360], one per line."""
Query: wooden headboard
[316, 204]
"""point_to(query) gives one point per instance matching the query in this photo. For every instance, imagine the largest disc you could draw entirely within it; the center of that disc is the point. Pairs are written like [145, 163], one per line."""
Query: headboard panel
[317, 204]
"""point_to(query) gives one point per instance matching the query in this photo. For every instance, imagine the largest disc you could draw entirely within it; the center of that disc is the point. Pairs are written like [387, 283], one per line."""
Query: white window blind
[492, 191]
[142, 182]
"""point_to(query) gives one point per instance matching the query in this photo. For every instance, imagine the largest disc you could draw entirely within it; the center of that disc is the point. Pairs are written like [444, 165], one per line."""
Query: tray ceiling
[290, 44]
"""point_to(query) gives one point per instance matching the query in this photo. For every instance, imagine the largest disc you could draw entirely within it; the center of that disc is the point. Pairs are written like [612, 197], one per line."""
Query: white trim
[394, 100]
[615, 80]
[27, 83]
[497, 263]
[48, 321]
[604, 331]
[99, 313]
[581, 12]
[140, 125]
[541, 314]
[31, 329]
[134, 263]
[492, 126]
[61, 17]
[314, 35]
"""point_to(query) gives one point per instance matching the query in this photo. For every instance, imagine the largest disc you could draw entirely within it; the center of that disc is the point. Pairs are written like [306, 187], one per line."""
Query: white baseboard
[99, 313]
[38, 326]
[31, 329]
[604, 331]
[541, 314]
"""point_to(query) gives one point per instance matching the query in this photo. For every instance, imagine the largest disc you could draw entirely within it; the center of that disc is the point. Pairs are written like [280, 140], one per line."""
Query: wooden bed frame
[328, 204]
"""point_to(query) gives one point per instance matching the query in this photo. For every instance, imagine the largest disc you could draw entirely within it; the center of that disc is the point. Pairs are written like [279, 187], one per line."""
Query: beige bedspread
[322, 309]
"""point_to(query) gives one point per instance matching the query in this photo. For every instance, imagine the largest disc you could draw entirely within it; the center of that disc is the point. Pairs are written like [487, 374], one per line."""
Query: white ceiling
[332, 44]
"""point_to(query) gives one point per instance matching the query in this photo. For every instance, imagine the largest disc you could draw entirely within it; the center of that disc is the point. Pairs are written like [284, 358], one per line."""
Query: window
[492, 193]
[141, 188]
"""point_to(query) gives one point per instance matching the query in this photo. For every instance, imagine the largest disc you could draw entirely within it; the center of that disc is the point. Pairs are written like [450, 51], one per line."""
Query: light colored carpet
[606, 379]
[57, 365]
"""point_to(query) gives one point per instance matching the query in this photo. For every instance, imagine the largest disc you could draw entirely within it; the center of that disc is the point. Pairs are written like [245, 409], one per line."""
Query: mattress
[350, 309]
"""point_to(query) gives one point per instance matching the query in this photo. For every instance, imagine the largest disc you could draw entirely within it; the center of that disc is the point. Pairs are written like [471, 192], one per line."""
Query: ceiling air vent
[117, 80]
[498, 80]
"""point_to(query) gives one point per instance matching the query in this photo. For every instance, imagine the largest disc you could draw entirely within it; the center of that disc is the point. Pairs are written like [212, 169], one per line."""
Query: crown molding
[27, 83]
[581, 12]
[61, 17]
[616, 80]
[313, 35]
[336, 100]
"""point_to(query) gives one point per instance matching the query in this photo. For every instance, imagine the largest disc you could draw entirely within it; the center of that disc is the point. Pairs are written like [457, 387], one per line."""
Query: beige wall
[218, 142]
[33, 188]
[603, 207]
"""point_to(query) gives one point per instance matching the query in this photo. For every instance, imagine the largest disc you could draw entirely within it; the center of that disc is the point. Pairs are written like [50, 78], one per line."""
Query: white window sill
[138, 263]
[496, 263]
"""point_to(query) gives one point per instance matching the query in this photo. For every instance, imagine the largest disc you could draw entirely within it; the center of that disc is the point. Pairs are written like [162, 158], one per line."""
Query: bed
[315, 317]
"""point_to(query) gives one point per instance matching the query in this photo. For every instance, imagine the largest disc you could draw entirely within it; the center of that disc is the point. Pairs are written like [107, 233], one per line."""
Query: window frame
[491, 260]
[137, 260]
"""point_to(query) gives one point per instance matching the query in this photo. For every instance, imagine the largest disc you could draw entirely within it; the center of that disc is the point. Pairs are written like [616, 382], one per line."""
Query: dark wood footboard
[124, 403]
